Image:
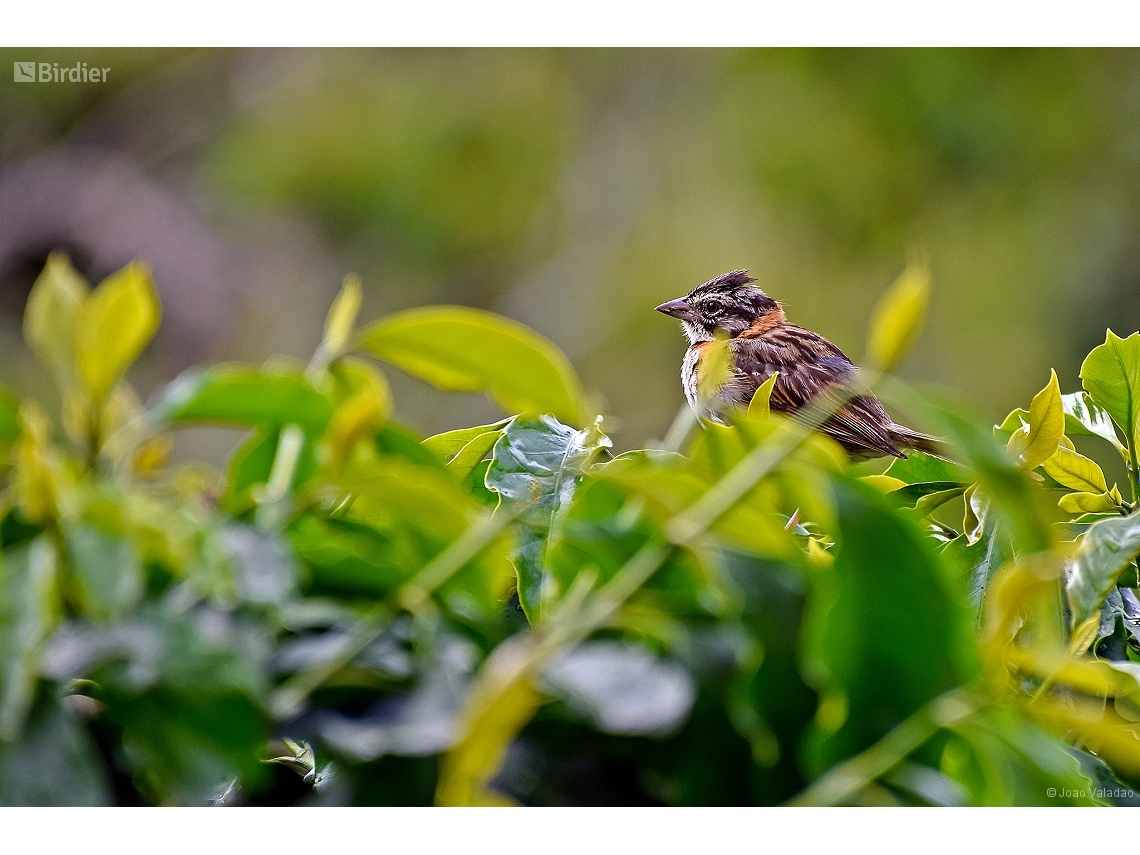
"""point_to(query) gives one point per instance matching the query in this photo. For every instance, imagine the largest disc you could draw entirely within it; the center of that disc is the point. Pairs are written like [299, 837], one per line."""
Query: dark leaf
[1106, 549]
[887, 627]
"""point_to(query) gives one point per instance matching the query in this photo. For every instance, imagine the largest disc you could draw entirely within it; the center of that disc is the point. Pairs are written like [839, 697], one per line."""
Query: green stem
[289, 699]
[1133, 471]
[415, 593]
[273, 506]
[845, 780]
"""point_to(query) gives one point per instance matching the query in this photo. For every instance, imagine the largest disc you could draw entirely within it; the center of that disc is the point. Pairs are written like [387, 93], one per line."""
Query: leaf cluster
[509, 613]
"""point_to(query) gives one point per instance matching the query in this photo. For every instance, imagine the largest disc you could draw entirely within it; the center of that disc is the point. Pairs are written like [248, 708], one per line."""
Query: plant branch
[845, 780]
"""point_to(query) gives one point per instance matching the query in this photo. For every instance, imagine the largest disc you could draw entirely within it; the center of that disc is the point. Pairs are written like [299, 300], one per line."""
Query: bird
[760, 342]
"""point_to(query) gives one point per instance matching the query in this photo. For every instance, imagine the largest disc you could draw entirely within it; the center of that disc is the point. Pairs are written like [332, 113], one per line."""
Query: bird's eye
[714, 307]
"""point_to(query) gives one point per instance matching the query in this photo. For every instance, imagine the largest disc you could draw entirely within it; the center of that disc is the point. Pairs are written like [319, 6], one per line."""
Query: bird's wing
[809, 366]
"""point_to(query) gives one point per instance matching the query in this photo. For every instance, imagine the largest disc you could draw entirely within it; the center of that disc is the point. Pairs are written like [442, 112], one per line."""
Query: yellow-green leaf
[51, 313]
[342, 314]
[1035, 443]
[1075, 471]
[883, 483]
[358, 418]
[761, 403]
[713, 370]
[115, 324]
[1086, 503]
[467, 350]
[502, 701]
[463, 450]
[898, 317]
[446, 445]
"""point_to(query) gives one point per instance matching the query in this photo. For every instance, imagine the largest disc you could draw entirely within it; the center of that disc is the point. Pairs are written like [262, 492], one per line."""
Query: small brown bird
[761, 341]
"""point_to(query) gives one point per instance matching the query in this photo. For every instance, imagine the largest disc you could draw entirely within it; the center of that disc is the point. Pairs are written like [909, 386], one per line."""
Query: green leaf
[918, 467]
[538, 463]
[462, 450]
[1016, 420]
[887, 629]
[898, 317]
[1075, 471]
[245, 397]
[359, 416]
[1086, 503]
[29, 610]
[599, 533]
[1009, 761]
[401, 516]
[9, 416]
[107, 571]
[189, 705]
[398, 441]
[115, 324]
[1106, 550]
[977, 559]
[1035, 443]
[1111, 376]
[252, 462]
[1083, 417]
[466, 350]
[761, 403]
[51, 315]
[912, 494]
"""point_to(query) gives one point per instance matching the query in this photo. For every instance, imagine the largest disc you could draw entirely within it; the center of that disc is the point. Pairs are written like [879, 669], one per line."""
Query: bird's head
[727, 306]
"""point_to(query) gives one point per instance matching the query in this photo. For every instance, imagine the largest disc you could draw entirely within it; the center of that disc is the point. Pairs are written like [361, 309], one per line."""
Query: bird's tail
[912, 440]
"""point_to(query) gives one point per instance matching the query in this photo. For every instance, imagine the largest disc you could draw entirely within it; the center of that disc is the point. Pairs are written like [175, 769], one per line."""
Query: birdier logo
[50, 72]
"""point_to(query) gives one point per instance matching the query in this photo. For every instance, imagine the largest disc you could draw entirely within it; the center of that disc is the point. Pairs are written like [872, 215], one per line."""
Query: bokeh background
[574, 190]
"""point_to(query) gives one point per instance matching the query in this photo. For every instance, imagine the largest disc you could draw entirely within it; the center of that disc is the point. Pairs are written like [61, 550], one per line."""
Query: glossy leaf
[1111, 376]
[51, 314]
[462, 450]
[114, 325]
[1035, 443]
[1084, 417]
[537, 464]
[898, 317]
[467, 350]
[1075, 471]
[244, 397]
[1086, 503]
[1108, 547]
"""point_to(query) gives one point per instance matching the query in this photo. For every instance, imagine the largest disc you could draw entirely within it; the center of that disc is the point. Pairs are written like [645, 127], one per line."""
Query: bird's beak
[678, 309]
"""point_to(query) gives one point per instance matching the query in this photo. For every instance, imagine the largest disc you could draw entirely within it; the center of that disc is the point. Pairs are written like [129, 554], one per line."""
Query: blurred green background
[574, 190]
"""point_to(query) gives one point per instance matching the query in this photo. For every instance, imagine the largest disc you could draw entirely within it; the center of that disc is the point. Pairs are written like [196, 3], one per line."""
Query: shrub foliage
[510, 613]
